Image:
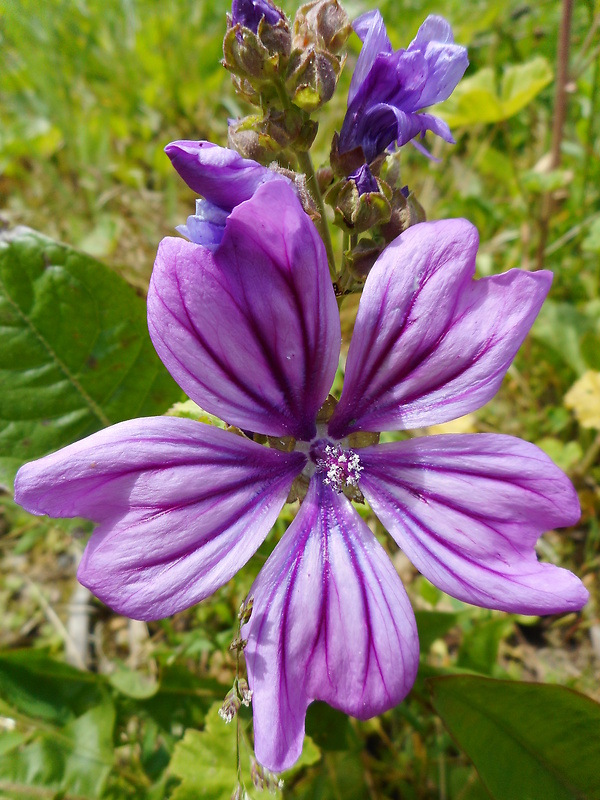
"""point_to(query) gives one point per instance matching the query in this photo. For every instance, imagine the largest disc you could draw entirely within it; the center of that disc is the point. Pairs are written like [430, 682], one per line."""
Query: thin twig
[52, 617]
[558, 121]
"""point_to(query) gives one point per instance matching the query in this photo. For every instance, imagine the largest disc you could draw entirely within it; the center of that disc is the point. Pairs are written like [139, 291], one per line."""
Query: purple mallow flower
[388, 88]
[250, 12]
[223, 178]
[251, 332]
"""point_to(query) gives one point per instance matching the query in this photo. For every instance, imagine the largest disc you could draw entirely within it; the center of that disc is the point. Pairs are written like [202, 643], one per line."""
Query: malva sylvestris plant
[244, 316]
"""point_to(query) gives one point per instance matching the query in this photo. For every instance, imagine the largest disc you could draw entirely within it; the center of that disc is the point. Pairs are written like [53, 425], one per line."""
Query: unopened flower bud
[238, 643]
[361, 258]
[262, 137]
[249, 13]
[312, 77]
[245, 611]
[231, 706]
[239, 793]
[321, 22]
[365, 182]
[405, 211]
[361, 202]
[244, 691]
[258, 41]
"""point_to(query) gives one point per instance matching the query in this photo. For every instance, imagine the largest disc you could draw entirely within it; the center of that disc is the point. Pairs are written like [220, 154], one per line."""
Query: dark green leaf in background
[39, 686]
[528, 741]
[75, 354]
[433, 625]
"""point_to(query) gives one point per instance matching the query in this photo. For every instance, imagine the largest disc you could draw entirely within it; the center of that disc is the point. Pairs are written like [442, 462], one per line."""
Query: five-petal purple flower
[388, 88]
[250, 330]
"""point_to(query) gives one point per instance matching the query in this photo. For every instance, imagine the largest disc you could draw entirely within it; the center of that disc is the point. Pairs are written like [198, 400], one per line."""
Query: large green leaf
[39, 686]
[75, 354]
[477, 99]
[528, 741]
[206, 760]
[76, 758]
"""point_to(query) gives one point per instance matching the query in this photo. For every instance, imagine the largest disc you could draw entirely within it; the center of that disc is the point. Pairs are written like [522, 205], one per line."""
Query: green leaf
[527, 741]
[77, 758]
[75, 354]
[474, 100]
[330, 728]
[183, 698]
[206, 760]
[563, 327]
[433, 625]
[132, 683]
[479, 648]
[521, 83]
[41, 687]
[477, 100]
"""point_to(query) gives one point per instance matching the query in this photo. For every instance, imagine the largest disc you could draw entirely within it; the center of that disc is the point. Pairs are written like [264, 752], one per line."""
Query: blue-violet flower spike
[388, 88]
[251, 332]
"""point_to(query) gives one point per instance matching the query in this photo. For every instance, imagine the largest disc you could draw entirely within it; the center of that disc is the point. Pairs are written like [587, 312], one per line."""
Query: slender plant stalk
[558, 121]
[306, 165]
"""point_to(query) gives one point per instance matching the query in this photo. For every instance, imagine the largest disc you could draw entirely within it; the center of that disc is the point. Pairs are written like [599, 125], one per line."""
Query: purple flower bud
[365, 182]
[250, 12]
[223, 178]
[388, 88]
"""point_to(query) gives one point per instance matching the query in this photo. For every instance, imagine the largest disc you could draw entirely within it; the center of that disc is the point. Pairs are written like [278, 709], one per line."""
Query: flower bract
[389, 87]
[250, 330]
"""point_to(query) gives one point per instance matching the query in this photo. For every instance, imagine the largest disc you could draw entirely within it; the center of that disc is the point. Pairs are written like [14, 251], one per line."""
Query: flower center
[342, 468]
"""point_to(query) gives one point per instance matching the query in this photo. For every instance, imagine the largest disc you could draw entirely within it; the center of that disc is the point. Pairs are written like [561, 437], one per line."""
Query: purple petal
[446, 66]
[331, 621]
[364, 180]
[370, 28]
[251, 333]
[434, 29]
[182, 507]
[206, 226]
[468, 509]
[446, 61]
[250, 12]
[219, 174]
[430, 344]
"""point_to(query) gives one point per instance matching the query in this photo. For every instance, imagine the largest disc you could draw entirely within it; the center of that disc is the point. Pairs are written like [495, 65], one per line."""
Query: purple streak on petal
[429, 343]
[331, 621]
[370, 28]
[251, 332]
[219, 174]
[182, 506]
[468, 510]
[250, 12]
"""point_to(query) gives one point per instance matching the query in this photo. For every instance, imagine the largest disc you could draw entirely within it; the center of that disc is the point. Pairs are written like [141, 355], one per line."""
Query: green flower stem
[306, 165]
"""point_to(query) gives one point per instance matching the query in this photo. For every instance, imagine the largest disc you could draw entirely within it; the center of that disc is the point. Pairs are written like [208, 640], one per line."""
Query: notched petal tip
[331, 621]
[468, 510]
